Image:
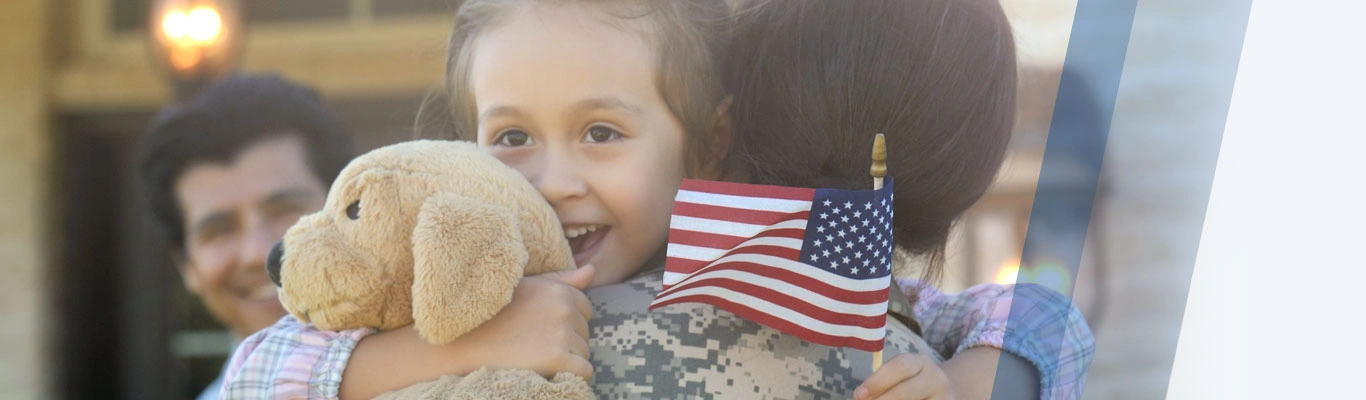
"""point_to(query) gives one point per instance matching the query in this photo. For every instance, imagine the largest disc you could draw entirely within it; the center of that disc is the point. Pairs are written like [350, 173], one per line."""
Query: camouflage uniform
[698, 351]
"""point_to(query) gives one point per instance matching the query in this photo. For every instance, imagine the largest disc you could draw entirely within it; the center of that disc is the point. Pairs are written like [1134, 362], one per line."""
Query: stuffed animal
[436, 234]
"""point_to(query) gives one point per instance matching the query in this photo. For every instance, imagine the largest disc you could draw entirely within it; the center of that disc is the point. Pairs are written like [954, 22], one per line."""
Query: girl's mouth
[584, 241]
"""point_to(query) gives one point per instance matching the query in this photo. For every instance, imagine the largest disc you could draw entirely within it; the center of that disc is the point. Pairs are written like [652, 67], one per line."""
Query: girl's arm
[974, 373]
[544, 328]
[294, 360]
[289, 360]
[1048, 332]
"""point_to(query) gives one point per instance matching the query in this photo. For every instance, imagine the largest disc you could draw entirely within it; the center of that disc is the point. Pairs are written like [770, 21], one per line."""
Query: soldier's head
[813, 81]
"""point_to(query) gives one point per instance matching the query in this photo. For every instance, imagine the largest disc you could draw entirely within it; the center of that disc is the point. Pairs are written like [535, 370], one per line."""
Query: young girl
[605, 108]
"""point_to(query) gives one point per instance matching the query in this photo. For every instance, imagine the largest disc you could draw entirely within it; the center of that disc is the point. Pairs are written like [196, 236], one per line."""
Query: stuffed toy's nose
[277, 253]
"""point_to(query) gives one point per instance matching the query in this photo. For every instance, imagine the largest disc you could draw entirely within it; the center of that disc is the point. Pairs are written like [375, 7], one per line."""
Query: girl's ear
[711, 160]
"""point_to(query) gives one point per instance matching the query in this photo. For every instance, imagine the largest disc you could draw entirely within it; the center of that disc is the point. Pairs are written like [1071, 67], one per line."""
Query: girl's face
[571, 102]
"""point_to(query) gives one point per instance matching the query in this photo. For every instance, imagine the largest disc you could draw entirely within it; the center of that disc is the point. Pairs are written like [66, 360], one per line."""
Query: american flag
[814, 263]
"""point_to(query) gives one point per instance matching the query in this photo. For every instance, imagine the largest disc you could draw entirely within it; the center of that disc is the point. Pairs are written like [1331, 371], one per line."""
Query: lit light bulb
[175, 24]
[205, 24]
[196, 41]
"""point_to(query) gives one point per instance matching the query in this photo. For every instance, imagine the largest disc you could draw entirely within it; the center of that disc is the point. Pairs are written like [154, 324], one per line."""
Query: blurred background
[93, 308]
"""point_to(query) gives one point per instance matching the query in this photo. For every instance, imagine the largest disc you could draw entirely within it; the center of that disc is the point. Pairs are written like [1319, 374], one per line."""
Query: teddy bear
[435, 234]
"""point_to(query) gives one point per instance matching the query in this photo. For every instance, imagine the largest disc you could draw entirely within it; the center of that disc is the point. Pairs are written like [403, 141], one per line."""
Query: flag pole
[879, 170]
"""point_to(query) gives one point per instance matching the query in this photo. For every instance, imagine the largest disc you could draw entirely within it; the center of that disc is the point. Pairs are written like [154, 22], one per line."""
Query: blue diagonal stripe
[1070, 174]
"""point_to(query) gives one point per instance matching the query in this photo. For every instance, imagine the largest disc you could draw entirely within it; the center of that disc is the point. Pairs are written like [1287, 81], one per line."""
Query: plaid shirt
[292, 360]
[1049, 330]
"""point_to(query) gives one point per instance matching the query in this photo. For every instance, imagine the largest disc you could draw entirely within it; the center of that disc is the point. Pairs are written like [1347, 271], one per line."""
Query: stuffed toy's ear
[467, 258]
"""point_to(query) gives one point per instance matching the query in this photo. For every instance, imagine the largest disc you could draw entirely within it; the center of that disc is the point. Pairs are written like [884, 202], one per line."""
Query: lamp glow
[176, 25]
[194, 41]
[204, 24]
[185, 57]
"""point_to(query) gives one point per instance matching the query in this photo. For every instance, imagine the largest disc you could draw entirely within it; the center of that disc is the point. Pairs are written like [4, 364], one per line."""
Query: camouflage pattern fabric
[697, 351]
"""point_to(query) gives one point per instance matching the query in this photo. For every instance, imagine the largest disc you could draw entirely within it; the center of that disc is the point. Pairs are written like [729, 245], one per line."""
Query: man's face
[233, 213]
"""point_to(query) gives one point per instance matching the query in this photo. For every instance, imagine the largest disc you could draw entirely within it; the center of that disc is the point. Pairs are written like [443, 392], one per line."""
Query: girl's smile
[584, 240]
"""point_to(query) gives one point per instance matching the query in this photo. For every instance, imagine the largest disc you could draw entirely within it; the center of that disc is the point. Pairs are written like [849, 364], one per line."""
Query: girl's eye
[601, 134]
[513, 138]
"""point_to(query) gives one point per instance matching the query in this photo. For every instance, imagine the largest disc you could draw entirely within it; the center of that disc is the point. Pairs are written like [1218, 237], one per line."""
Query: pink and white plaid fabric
[978, 316]
[290, 360]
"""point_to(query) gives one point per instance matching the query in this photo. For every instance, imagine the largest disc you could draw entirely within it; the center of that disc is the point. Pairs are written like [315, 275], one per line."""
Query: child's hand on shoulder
[906, 376]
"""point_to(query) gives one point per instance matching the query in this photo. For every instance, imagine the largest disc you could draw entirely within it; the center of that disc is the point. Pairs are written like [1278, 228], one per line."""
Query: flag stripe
[781, 319]
[816, 312]
[719, 242]
[817, 274]
[728, 228]
[686, 266]
[779, 311]
[743, 202]
[729, 189]
[758, 217]
[862, 304]
[777, 246]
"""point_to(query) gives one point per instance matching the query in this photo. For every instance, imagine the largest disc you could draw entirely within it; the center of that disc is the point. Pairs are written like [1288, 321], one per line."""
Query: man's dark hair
[223, 120]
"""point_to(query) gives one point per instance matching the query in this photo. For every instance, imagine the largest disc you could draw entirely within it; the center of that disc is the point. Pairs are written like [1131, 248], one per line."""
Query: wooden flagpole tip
[879, 156]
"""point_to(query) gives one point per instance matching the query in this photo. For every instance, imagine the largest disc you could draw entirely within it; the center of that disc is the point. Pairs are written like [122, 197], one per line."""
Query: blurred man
[226, 174]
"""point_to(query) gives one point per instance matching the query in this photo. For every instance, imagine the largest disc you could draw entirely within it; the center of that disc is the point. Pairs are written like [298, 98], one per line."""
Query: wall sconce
[194, 42]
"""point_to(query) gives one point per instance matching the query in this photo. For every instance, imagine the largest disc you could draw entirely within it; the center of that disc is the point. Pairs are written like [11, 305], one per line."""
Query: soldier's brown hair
[814, 80]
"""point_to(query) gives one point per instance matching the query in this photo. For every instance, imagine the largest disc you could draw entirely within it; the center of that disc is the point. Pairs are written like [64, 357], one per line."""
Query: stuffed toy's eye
[353, 210]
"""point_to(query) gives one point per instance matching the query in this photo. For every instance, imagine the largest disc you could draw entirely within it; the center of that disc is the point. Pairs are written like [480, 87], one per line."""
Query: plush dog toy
[431, 233]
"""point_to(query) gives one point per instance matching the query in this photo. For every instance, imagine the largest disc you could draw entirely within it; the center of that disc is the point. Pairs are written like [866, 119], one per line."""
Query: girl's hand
[906, 376]
[544, 328]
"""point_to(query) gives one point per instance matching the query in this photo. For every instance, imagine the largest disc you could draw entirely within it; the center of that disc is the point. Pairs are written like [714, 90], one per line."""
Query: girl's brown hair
[814, 80]
[690, 39]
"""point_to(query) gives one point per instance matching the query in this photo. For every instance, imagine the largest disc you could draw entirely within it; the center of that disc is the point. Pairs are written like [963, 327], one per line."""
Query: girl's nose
[560, 179]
